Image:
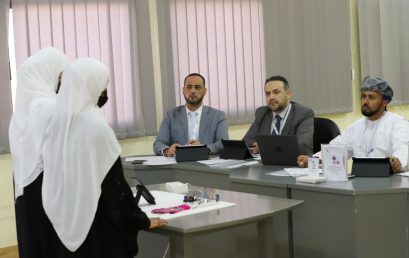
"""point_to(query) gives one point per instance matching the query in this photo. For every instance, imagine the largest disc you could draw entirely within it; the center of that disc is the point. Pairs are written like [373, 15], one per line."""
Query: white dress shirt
[387, 136]
[198, 116]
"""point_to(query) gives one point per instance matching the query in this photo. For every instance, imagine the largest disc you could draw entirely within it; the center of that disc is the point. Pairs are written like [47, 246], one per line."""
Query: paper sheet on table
[279, 173]
[153, 160]
[130, 159]
[166, 200]
[246, 163]
[403, 174]
[214, 161]
[256, 156]
[294, 172]
[228, 163]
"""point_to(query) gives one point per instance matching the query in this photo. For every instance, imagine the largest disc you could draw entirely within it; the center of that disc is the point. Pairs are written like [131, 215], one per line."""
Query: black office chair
[324, 131]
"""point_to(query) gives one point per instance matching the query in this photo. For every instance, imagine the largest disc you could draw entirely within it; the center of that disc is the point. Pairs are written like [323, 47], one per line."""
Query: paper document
[296, 172]
[247, 163]
[335, 162]
[256, 156]
[130, 159]
[166, 200]
[229, 163]
[214, 161]
[279, 173]
[160, 161]
[403, 174]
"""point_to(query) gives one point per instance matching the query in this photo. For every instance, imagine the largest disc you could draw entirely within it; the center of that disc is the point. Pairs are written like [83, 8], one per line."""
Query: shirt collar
[372, 124]
[198, 111]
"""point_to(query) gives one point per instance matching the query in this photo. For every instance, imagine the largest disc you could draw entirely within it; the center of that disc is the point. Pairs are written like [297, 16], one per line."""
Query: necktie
[278, 123]
[192, 125]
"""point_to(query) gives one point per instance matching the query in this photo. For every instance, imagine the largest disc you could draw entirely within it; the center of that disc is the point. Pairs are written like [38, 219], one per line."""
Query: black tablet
[141, 190]
[235, 149]
[192, 153]
[371, 167]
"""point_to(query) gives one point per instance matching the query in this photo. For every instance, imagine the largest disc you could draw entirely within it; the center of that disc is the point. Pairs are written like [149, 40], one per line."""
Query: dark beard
[194, 102]
[368, 113]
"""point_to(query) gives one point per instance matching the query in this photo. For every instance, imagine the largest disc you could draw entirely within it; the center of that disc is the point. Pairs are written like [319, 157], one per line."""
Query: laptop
[278, 149]
[371, 167]
[235, 149]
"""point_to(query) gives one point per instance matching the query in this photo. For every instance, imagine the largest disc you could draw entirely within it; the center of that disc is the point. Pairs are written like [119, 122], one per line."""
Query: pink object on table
[171, 210]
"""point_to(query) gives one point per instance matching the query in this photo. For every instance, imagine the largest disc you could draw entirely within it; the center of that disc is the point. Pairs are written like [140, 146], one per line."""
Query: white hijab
[37, 80]
[79, 150]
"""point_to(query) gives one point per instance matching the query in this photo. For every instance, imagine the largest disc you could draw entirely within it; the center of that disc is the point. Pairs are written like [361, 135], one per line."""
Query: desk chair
[324, 131]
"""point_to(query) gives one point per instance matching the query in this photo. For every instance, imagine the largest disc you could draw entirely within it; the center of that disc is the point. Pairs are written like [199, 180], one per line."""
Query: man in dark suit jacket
[282, 116]
[192, 123]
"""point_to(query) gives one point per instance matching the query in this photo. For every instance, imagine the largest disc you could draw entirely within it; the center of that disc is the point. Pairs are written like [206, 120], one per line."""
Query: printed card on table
[335, 162]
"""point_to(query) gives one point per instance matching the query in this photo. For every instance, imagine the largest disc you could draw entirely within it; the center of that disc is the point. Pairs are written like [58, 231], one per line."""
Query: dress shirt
[283, 114]
[388, 136]
[198, 116]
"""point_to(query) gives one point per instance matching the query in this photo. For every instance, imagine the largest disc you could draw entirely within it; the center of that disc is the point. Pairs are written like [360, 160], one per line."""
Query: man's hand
[254, 148]
[171, 151]
[193, 142]
[302, 161]
[157, 222]
[395, 164]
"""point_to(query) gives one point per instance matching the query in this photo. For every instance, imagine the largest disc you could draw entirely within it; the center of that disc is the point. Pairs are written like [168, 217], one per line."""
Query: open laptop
[278, 149]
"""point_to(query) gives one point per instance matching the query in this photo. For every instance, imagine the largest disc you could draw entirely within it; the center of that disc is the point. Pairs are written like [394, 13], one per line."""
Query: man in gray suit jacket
[192, 123]
[282, 116]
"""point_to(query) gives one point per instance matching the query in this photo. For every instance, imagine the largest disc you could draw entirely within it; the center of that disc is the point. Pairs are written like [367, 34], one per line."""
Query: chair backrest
[324, 131]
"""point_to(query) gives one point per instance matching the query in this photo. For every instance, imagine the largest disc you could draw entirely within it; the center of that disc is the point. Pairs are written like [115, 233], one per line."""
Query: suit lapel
[289, 123]
[268, 122]
[182, 116]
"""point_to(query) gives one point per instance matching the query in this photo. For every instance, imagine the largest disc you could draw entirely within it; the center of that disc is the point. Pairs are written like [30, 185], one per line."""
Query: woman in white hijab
[85, 195]
[37, 82]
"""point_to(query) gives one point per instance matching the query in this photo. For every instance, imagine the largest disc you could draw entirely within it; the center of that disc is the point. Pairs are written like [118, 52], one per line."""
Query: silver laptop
[278, 149]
